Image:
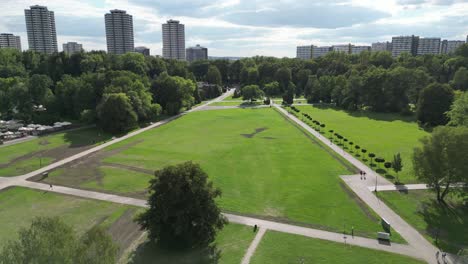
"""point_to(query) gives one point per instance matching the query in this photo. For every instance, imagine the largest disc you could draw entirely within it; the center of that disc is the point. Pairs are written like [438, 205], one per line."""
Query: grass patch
[244, 103]
[278, 247]
[18, 206]
[24, 157]
[419, 208]
[264, 166]
[381, 133]
[232, 241]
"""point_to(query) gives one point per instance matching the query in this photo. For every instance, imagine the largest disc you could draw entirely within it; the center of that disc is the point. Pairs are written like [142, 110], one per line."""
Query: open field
[264, 165]
[28, 156]
[232, 241]
[244, 103]
[419, 208]
[278, 247]
[379, 133]
[18, 206]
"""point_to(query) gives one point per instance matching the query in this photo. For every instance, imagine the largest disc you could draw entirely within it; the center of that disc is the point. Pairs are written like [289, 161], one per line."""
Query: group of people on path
[363, 174]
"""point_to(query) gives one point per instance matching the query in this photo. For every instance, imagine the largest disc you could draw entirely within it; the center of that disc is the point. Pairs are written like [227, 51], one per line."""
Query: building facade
[304, 52]
[196, 53]
[72, 47]
[359, 49]
[40, 26]
[119, 32]
[318, 52]
[346, 48]
[450, 46]
[403, 44]
[10, 41]
[381, 46]
[173, 34]
[143, 50]
[428, 46]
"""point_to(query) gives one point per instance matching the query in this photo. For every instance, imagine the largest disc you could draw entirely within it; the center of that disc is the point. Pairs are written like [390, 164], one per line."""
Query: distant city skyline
[241, 28]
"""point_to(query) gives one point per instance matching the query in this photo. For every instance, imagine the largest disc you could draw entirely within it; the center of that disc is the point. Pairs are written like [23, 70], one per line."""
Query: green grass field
[245, 103]
[18, 206]
[264, 166]
[232, 242]
[380, 133]
[278, 247]
[28, 156]
[419, 208]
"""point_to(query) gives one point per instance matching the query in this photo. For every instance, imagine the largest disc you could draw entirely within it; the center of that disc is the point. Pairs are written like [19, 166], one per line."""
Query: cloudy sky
[250, 27]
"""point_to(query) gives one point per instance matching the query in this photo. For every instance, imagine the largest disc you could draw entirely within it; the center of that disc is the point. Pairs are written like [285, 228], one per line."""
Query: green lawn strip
[232, 242]
[69, 139]
[277, 173]
[419, 208]
[380, 133]
[276, 247]
[18, 206]
[119, 181]
[245, 103]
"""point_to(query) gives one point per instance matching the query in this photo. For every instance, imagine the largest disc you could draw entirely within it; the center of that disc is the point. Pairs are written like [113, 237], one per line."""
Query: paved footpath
[253, 246]
[362, 190]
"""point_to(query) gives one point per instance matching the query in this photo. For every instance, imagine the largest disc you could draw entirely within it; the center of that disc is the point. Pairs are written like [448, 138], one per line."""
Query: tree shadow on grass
[149, 253]
[85, 137]
[447, 223]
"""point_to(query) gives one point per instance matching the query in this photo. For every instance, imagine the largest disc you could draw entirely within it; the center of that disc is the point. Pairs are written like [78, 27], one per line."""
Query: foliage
[397, 164]
[441, 161]
[173, 93]
[182, 209]
[213, 76]
[50, 240]
[435, 100]
[458, 113]
[116, 114]
[251, 92]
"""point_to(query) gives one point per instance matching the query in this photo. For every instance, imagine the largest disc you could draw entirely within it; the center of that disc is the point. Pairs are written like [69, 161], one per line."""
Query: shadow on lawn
[86, 137]
[446, 224]
[148, 253]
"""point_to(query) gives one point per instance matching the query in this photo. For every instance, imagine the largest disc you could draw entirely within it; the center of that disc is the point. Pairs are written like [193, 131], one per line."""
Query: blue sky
[250, 27]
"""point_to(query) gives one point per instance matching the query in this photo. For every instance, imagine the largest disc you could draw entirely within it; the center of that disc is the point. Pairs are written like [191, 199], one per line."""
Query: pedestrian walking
[437, 255]
[352, 232]
[444, 254]
[255, 228]
[360, 173]
[50, 185]
[364, 174]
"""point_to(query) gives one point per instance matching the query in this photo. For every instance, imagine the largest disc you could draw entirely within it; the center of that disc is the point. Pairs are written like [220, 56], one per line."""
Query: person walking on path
[50, 186]
[352, 232]
[360, 173]
[255, 228]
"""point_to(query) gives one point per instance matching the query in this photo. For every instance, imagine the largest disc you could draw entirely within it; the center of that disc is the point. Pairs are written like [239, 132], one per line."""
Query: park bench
[383, 236]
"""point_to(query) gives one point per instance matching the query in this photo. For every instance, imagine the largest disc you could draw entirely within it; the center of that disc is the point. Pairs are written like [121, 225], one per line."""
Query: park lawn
[380, 133]
[243, 103]
[120, 181]
[232, 242]
[419, 208]
[28, 156]
[276, 172]
[18, 206]
[276, 247]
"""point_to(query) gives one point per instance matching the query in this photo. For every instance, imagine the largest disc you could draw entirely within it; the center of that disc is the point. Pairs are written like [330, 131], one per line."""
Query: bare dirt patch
[125, 230]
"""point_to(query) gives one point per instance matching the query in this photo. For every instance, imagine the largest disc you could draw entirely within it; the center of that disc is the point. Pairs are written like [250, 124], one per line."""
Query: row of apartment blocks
[411, 44]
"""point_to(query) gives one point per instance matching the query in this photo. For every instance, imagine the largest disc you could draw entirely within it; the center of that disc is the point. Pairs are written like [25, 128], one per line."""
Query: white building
[40, 25]
[196, 53]
[428, 46]
[173, 34]
[119, 32]
[382, 46]
[403, 44]
[72, 47]
[359, 49]
[346, 48]
[10, 41]
[304, 52]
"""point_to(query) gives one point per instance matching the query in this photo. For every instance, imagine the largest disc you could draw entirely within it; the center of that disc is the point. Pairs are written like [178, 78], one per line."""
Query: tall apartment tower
[40, 25]
[196, 53]
[428, 46]
[72, 47]
[173, 40]
[402, 44]
[10, 41]
[304, 52]
[119, 32]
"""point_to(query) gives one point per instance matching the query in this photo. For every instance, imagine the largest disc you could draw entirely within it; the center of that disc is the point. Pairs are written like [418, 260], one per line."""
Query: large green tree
[434, 101]
[115, 113]
[251, 92]
[458, 113]
[213, 76]
[460, 79]
[182, 209]
[441, 160]
[173, 93]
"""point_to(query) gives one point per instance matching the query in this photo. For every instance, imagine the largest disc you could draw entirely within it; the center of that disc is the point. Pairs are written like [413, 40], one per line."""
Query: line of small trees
[396, 164]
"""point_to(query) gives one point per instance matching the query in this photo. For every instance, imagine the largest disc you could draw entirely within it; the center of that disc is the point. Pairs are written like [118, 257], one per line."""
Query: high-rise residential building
[346, 48]
[196, 53]
[72, 47]
[428, 46]
[403, 44]
[143, 50]
[10, 41]
[173, 34]
[450, 46]
[119, 32]
[40, 25]
[382, 46]
[318, 52]
[359, 49]
[304, 52]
